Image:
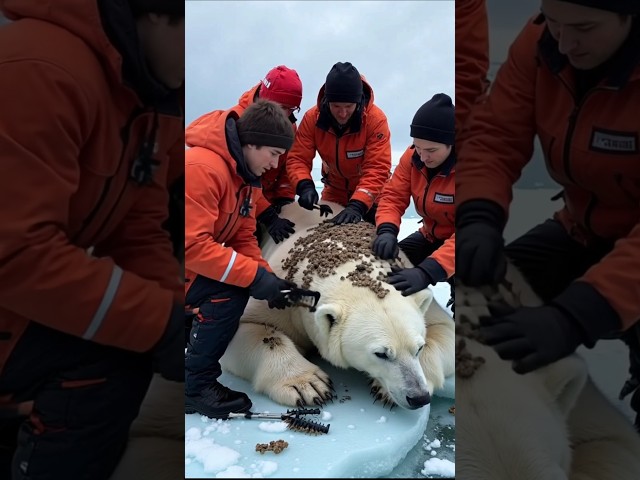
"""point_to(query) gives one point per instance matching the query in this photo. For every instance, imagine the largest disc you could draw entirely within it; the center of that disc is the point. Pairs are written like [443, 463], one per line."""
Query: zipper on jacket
[346, 182]
[235, 217]
[124, 134]
[566, 154]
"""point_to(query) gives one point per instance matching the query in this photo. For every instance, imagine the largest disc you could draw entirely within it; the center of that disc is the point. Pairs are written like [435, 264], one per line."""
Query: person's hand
[307, 194]
[268, 286]
[168, 354]
[385, 244]
[278, 228]
[352, 213]
[480, 258]
[532, 337]
[409, 280]
[280, 202]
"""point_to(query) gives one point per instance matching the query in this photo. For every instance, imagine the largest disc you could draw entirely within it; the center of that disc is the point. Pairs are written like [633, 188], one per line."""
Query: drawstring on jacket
[145, 165]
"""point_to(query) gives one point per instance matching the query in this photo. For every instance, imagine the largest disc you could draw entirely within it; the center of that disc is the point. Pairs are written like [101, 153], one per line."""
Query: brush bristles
[306, 426]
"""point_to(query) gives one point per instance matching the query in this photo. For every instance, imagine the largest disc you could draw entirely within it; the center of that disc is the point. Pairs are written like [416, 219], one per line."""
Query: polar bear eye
[419, 350]
[382, 355]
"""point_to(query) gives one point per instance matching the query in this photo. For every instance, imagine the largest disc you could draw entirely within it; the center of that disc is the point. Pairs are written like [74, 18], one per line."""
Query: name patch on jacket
[355, 153]
[608, 141]
[442, 198]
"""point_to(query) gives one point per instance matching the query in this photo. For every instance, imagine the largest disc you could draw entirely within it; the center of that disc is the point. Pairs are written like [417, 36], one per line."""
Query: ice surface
[364, 439]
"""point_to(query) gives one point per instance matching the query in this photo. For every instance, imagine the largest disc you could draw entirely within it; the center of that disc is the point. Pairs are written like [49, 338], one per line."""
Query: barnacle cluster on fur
[326, 247]
[471, 302]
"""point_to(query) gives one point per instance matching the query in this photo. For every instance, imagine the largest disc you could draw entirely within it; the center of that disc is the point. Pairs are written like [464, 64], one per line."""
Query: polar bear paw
[307, 388]
[378, 392]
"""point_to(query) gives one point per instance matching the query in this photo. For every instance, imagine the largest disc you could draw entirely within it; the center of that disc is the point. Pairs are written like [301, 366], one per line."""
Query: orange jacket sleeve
[396, 194]
[376, 166]
[501, 131]
[472, 56]
[141, 245]
[235, 263]
[43, 276]
[300, 157]
[617, 278]
[446, 255]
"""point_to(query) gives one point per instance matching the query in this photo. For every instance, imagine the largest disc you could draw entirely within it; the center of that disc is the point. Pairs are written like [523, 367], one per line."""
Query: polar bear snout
[418, 401]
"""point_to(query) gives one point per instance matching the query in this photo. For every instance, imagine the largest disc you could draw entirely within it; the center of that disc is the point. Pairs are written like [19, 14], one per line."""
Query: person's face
[432, 154]
[163, 45]
[342, 111]
[261, 159]
[587, 36]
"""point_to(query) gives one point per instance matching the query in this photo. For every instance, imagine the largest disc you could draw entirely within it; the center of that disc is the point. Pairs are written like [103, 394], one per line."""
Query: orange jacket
[70, 131]
[591, 149]
[434, 202]
[219, 242]
[354, 166]
[472, 57]
[275, 182]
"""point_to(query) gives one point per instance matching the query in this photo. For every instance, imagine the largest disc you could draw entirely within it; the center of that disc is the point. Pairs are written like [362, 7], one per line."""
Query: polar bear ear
[423, 299]
[328, 314]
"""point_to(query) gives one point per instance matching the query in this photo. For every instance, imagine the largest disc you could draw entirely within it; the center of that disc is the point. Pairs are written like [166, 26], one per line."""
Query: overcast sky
[404, 49]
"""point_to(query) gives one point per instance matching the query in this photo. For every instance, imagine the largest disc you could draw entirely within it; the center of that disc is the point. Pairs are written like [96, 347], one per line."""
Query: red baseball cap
[282, 85]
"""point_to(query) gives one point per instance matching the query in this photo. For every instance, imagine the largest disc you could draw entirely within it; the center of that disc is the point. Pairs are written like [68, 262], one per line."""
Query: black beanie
[435, 120]
[169, 7]
[343, 84]
[615, 6]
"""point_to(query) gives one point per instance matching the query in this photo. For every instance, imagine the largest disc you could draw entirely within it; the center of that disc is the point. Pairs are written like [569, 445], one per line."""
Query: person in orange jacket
[426, 174]
[472, 58]
[223, 264]
[283, 86]
[572, 78]
[91, 300]
[352, 137]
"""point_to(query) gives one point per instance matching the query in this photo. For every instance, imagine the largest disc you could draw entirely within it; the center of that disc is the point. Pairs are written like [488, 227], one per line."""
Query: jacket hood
[108, 27]
[216, 131]
[248, 97]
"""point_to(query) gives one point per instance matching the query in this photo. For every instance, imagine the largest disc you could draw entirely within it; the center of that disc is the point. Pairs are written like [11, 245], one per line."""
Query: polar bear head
[382, 337]
[361, 321]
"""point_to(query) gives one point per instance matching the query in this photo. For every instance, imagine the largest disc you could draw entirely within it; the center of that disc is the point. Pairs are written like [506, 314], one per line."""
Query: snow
[437, 466]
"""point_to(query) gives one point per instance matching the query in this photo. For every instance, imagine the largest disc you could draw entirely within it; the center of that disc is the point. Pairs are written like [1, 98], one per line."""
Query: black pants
[85, 398]
[416, 247]
[221, 306]
[551, 260]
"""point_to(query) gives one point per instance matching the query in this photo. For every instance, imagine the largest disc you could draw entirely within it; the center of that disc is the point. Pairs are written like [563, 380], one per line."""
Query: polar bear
[552, 423]
[404, 344]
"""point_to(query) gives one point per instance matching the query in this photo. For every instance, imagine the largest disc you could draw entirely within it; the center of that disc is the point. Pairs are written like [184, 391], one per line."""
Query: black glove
[168, 354]
[533, 337]
[385, 244]
[480, 258]
[307, 194]
[412, 280]
[353, 213]
[267, 286]
[278, 228]
[280, 202]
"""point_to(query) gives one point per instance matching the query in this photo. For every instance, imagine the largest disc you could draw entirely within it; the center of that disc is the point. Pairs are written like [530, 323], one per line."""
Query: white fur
[552, 423]
[364, 325]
